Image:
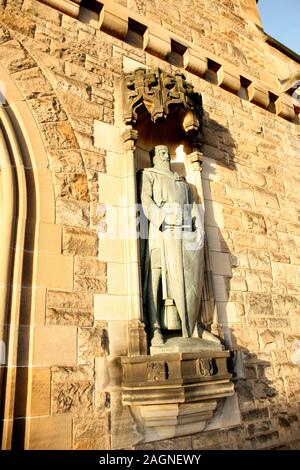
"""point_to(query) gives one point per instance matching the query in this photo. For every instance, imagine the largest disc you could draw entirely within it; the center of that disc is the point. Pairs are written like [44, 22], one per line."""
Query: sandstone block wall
[66, 71]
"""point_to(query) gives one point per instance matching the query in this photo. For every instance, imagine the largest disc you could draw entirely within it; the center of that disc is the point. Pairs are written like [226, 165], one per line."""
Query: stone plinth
[191, 345]
[174, 394]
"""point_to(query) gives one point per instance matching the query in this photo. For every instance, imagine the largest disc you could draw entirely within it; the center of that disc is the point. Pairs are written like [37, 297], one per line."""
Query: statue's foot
[204, 334]
[210, 337]
[157, 337]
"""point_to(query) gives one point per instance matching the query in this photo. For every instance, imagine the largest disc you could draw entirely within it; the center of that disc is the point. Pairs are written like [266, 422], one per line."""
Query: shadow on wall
[258, 403]
[218, 151]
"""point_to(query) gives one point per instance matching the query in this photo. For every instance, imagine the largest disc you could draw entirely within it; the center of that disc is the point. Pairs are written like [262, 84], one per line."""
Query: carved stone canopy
[163, 94]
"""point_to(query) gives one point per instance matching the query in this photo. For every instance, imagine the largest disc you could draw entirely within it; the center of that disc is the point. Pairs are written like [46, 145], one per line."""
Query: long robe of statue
[173, 258]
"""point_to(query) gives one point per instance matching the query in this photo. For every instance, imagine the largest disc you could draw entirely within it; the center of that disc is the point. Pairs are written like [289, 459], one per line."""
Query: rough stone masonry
[61, 63]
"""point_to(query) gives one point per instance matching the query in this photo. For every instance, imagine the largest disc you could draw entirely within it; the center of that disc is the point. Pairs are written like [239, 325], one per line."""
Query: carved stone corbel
[174, 394]
[161, 94]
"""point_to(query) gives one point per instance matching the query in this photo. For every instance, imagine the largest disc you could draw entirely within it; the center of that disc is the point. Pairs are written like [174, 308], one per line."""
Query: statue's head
[160, 153]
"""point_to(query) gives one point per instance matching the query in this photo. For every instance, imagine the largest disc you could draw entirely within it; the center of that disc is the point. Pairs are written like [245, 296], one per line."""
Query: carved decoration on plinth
[205, 367]
[156, 371]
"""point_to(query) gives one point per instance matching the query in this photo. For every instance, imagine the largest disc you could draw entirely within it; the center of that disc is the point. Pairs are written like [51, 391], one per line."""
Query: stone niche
[165, 392]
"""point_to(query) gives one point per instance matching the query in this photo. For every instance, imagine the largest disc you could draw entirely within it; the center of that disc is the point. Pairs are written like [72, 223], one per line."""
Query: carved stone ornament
[156, 371]
[205, 367]
[162, 94]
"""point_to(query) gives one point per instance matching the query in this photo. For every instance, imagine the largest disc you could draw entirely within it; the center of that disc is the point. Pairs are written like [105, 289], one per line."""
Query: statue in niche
[173, 259]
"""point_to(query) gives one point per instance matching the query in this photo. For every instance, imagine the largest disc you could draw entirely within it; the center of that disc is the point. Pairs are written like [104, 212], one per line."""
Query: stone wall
[66, 71]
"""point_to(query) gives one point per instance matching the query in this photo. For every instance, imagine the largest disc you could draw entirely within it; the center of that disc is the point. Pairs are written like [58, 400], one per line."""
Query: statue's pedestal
[174, 393]
[186, 345]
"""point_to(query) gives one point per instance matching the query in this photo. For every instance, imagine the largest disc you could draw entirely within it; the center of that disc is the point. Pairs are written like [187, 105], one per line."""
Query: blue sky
[281, 20]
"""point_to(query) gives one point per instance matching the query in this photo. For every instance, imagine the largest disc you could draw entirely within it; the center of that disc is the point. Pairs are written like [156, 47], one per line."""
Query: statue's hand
[174, 216]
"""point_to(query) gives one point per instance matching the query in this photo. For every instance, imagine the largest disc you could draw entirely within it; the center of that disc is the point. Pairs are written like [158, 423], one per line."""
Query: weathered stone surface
[91, 434]
[80, 242]
[76, 106]
[259, 260]
[271, 340]
[67, 53]
[33, 83]
[72, 397]
[258, 305]
[59, 135]
[232, 222]
[265, 390]
[69, 212]
[90, 275]
[252, 176]
[5, 34]
[92, 342]
[238, 284]
[14, 56]
[258, 323]
[16, 21]
[253, 281]
[279, 271]
[266, 198]
[244, 338]
[72, 390]
[72, 186]
[293, 387]
[124, 428]
[286, 369]
[66, 161]
[47, 109]
[102, 401]
[92, 444]
[267, 441]
[75, 71]
[254, 222]
[179, 443]
[278, 323]
[38, 10]
[259, 428]
[94, 160]
[245, 395]
[85, 140]
[93, 187]
[255, 415]
[82, 125]
[286, 304]
[211, 439]
[69, 308]
[82, 373]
